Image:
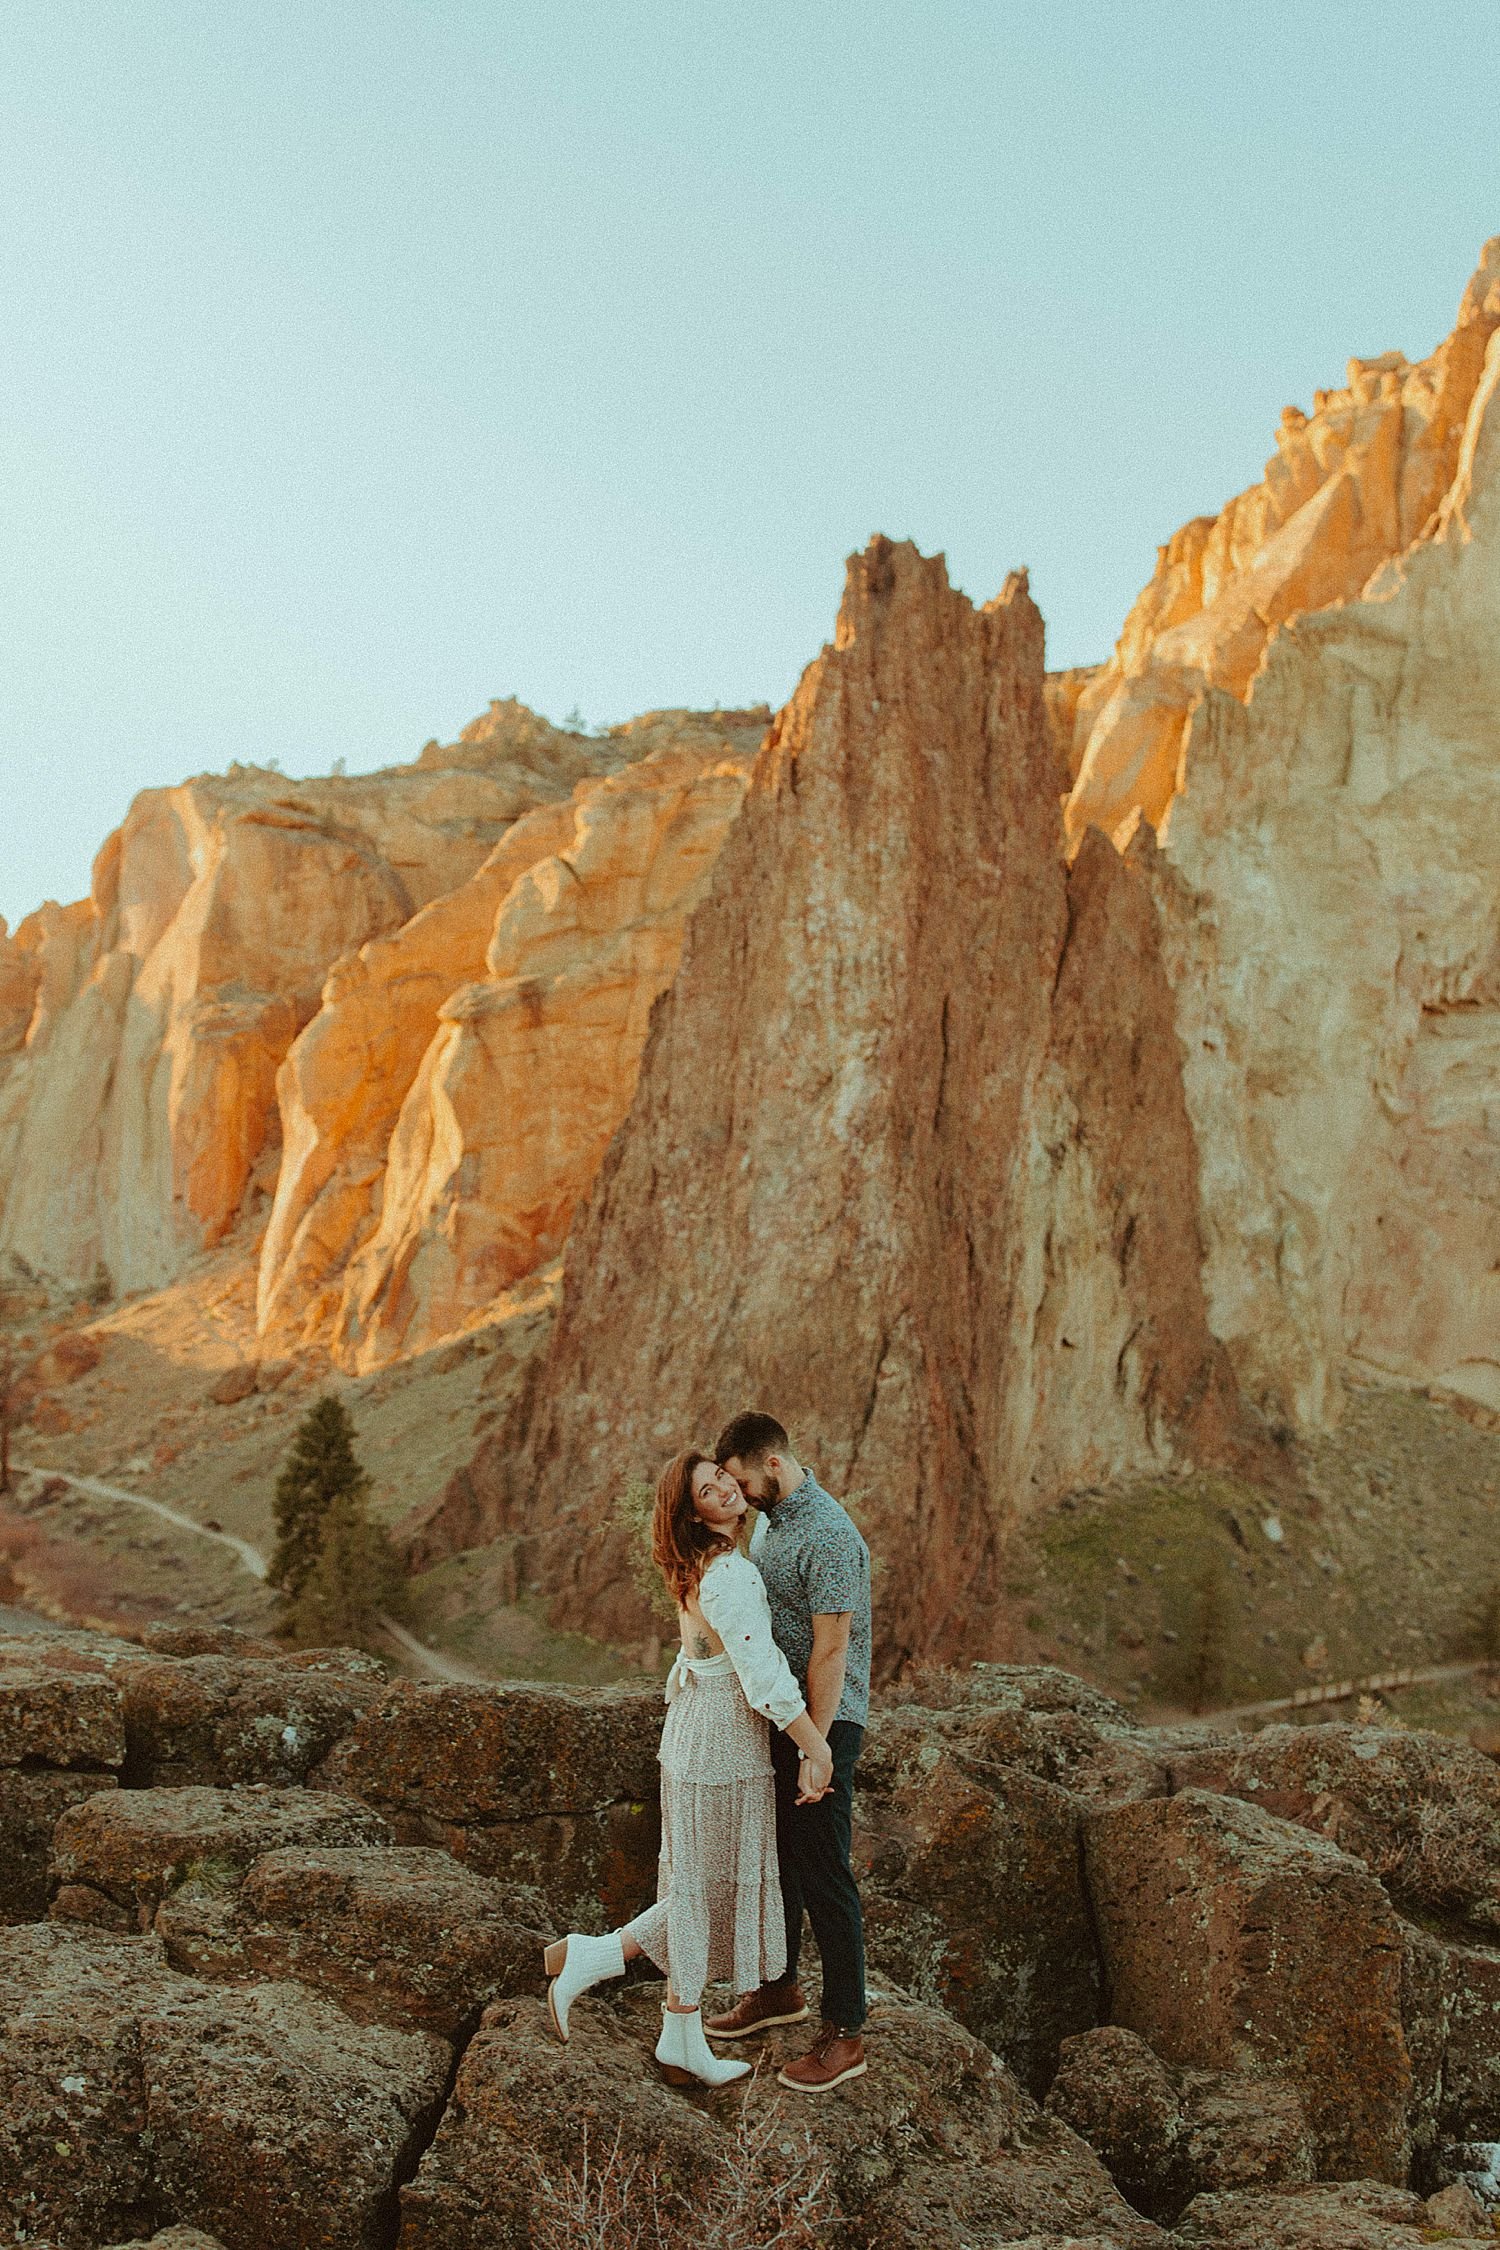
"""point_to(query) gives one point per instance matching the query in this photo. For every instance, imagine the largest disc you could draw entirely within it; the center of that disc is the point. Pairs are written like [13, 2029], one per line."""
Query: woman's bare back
[698, 1636]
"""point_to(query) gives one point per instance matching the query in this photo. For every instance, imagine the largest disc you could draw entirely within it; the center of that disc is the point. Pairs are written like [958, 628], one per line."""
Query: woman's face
[716, 1497]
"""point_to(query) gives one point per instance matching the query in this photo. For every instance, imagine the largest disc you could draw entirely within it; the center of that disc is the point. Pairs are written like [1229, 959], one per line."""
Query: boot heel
[675, 2075]
[555, 1957]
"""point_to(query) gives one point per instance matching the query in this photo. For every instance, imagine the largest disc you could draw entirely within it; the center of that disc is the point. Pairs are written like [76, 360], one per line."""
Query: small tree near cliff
[321, 1468]
[354, 1582]
[334, 1566]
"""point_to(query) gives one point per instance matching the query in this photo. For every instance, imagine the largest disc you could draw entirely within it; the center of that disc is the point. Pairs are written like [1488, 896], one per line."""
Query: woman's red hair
[682, 1544]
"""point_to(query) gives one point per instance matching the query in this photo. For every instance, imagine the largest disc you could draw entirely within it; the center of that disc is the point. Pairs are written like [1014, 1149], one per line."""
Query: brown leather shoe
[757, 2011]
[833, 2057]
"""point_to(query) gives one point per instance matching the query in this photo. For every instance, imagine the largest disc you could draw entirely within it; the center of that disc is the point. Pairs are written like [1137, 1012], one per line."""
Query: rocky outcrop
[1168, 2135]
[342, 1085]
[908, 1153]
[939, 2145]
[399, 1936]
[1351, 485]
[1421, 1809]
[564, 1778]
[134, 1112]
[299, 2017]
[1328, 897]
[452, 1097]
[118, 1856]
[530, 1070]
[130, 2093]
[1233, 1941]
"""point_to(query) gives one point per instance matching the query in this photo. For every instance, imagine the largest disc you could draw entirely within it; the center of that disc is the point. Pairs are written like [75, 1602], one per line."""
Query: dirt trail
[429, 1660]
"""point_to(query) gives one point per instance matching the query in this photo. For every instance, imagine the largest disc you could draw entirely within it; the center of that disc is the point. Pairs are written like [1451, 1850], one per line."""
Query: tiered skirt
[718, 1916]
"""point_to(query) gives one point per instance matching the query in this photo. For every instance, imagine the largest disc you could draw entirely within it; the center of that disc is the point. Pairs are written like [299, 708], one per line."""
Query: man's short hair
[749, 1438]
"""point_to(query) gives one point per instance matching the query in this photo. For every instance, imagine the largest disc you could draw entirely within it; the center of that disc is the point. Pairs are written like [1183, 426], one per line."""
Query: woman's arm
[732, 1597]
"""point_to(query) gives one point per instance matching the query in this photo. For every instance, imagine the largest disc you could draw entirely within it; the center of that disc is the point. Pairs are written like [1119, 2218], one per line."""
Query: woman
[718, 1912]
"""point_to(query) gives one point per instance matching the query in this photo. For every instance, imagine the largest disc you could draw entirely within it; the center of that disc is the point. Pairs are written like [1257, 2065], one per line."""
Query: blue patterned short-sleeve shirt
[815, 1564]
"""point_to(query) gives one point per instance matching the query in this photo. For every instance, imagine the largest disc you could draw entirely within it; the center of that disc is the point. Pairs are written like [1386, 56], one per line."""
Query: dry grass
[770, 2193]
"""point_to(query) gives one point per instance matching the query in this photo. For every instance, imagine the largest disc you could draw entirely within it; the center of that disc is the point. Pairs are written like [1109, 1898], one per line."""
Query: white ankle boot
[684, 2053]
[574, 1963]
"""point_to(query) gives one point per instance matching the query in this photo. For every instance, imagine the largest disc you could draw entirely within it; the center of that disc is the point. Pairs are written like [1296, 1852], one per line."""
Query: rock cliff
[249, 995]
[1329, 890]
[1351, 485]
[909, 1153]
[141, 1094]
[531, 1067]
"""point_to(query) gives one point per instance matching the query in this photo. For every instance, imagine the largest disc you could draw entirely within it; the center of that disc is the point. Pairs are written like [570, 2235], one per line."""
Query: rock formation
[525, 1071]
[909, 1151]
[145, 1035]
[1350, 485]
[134, 1110]
[1329, 890]
[302, 2011]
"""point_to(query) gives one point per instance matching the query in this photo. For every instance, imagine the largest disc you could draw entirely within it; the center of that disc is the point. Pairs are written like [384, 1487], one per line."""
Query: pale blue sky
[362, 362]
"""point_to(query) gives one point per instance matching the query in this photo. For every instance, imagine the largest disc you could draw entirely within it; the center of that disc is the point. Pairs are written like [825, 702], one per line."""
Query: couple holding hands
[766, 1706]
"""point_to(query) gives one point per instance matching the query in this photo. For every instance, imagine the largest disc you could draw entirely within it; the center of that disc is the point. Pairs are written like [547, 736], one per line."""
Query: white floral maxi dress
[718, 1915]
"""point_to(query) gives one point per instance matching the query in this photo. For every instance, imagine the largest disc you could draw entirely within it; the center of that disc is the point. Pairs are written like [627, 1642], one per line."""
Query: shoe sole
[765, 2023]
[800, 2085]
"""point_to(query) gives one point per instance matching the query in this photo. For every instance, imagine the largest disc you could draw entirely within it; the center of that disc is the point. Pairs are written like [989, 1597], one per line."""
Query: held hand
[814, 1779]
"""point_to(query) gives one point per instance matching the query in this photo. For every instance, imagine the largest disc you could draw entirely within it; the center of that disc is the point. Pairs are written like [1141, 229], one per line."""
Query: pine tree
[354, 1578]
[320, 1469]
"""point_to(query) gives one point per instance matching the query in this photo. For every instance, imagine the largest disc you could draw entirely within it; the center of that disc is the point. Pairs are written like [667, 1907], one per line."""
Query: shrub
[632, 1515]
[770, 2193]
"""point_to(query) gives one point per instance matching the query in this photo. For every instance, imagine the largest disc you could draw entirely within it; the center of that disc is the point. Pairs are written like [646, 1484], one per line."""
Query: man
[817, 1573]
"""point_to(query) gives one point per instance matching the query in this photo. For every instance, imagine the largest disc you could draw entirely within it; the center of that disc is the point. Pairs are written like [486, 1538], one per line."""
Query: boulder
[1234, 1941]
[261, 2115]
[1471, 2061]
[31, 1804]
[1421, 1810]
[74, 2167]
[1167, 2135]
[972, 1882]
[937, 2145]
[277, 2124]
[176, 2238]
[1362, 2215]
[164, 1637]
[556, 1787]
[54, 1718]
[1426, 2008]
[134, 1846]
[399, 1936]
[225, 1719]
[1045, 1721]
[235, 1385]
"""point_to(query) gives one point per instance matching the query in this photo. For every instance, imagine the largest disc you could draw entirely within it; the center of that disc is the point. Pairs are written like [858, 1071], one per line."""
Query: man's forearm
[825, 1686]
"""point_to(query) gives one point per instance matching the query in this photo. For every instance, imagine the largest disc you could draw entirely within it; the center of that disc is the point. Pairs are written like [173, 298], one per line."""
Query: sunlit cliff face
[1349, 486]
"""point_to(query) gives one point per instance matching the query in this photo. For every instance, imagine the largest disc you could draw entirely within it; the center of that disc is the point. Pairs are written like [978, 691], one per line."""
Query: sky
[365, 362]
